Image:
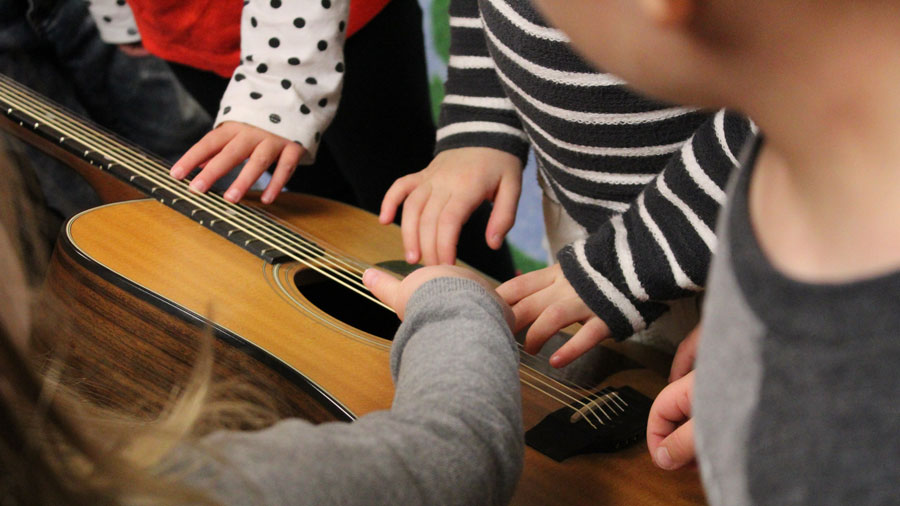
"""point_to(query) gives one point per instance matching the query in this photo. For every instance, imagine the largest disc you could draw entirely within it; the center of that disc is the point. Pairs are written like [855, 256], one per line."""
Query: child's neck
[825, 197]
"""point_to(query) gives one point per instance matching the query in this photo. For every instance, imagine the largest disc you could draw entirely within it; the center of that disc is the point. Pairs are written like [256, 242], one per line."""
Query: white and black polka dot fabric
[114, 20]
[292, 64]
[291, 71]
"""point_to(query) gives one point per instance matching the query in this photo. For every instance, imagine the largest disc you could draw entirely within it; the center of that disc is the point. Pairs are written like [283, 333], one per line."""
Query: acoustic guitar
[139, 282]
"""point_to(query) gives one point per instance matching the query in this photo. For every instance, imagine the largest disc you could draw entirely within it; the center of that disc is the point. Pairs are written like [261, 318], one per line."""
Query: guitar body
[135, 287]
[147, 282]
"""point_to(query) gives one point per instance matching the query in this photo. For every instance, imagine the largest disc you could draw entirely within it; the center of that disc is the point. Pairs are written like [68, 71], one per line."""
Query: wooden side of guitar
[140, 283]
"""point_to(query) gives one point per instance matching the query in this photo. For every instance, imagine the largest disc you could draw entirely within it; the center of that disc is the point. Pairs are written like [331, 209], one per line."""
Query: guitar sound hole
[346, 305]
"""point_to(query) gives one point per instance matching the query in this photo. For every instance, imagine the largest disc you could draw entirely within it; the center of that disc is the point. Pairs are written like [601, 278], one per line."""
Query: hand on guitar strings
[439, 199]
[226, 147]
[396, 293]
[546, 300]
[670, 429]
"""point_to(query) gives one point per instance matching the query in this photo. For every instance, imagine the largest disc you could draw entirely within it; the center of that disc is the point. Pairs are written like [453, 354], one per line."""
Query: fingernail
[176, 172]
[495, 239]
[410, 257]
[199, 185]
[663, 459]
[231, 195]
[555, 361]
[266, 198]
[369, 276]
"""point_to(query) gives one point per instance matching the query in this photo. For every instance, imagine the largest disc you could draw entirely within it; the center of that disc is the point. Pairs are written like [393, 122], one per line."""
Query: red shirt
[206, 34]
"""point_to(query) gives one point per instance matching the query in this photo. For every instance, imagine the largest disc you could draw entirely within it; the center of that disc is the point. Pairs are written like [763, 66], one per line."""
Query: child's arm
[281, 97]
[475, 113]
[452, 436]
[658, 250]
[114, 21]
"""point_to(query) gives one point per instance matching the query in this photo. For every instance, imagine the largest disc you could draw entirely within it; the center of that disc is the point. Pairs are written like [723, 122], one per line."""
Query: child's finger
[670, 410]
[428, 222]
[287, 163]
[530, 308]
[235, 152]
[259, 161]
[264, 155]
[383, 286]
[677, 449]
[521, 286]
[591, 334]
[553, 318]
[396, 194]
[503, 216]
[201, 152]
[448, 229]
[409, 226]
[455, 213]
[249, 174]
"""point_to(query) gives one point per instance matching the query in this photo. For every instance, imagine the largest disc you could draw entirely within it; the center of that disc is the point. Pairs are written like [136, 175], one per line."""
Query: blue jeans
[53, 47]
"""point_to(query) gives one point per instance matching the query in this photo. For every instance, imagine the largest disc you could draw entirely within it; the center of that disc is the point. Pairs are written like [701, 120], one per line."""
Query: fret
[238, 223]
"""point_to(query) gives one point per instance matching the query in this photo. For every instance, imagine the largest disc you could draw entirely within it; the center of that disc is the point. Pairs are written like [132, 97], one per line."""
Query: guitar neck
[63, 134]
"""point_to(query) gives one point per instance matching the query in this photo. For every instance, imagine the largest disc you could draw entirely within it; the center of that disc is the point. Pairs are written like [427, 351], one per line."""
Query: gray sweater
[796, 396]
[452, 436]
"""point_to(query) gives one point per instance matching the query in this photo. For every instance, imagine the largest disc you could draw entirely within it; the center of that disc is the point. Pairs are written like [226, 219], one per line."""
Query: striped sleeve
[475, 110]
[660, 248]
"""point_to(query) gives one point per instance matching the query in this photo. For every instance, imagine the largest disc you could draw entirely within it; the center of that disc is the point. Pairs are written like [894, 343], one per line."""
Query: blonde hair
[57, 448]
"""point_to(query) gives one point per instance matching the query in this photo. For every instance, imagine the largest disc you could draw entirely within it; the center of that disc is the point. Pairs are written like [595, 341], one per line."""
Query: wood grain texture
[137, 283]
[197, 272]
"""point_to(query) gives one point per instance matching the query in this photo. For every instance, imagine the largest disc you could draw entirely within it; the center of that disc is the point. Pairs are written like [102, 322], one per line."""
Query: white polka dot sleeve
[292, 67]
[115, 21]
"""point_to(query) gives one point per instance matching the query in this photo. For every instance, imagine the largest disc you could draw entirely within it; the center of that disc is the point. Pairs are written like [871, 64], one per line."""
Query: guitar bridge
[604, 422]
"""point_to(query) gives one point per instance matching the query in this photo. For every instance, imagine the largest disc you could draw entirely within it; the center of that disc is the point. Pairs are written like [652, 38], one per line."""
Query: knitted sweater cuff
[607, 296]
[508, 143]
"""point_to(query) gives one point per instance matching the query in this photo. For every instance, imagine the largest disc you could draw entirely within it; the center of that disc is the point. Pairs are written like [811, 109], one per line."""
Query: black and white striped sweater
[646, 179]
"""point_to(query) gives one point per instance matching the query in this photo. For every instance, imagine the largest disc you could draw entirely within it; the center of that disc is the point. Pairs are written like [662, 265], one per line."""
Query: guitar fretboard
[243, 225]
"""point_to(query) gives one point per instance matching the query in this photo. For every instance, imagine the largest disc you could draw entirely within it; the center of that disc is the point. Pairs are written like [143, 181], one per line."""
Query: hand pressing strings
[227, 146]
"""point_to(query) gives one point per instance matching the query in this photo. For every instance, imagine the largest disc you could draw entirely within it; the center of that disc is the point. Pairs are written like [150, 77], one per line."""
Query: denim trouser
[53, 47]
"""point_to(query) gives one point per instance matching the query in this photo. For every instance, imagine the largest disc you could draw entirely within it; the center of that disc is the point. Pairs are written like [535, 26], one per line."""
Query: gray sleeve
[452, 436]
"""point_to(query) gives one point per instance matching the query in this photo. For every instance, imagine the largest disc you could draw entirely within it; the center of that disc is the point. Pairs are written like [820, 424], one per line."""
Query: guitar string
[191, 196]
[537, 376]
[141, 161]
[595, 398]
[178, 188]
[167, 183]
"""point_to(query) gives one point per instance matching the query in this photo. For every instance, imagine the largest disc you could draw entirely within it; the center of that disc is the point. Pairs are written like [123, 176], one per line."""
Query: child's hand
[546, 298]
[440, 198]
[670, 430]
[683, 361]
[396, 293]
[231, 143]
